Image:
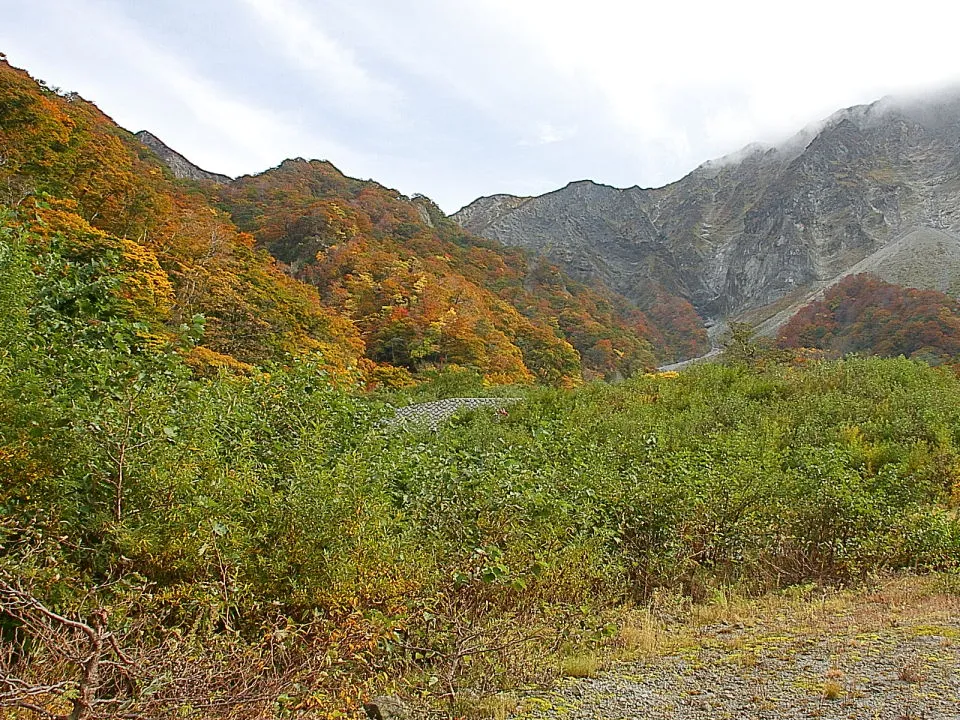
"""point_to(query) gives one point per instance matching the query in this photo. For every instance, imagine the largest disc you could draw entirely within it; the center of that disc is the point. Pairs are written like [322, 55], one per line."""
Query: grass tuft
[580, 666]
[490, 707]
[911, 673]
[641, 636]
[832, 690]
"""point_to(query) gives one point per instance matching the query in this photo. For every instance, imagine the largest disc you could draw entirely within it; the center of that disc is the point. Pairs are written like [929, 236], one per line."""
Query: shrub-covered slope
[253, 544]
[262, 541]
[72, 173]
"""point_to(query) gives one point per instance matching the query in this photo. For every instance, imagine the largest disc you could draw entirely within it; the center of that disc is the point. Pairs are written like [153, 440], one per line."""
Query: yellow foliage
[145, 288]
[205, 361]
[102, 191]
[381, 375]
[147, 285]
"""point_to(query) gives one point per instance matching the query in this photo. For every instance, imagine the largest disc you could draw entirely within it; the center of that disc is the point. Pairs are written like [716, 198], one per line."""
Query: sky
[456, 99]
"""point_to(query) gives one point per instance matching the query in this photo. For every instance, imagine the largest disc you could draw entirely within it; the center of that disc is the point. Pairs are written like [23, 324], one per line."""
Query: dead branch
[54, 631]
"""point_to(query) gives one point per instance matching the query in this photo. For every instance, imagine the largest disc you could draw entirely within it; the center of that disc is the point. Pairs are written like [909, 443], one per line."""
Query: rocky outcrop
[487, 210]
[178, 164]
[768, 223]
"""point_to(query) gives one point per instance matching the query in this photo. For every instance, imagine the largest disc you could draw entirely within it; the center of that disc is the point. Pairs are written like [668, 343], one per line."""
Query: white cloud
[451, 98]
[258, 131]
[145, 86]
[452, 49]
[547, 134]
[330, 66]
[649, 62]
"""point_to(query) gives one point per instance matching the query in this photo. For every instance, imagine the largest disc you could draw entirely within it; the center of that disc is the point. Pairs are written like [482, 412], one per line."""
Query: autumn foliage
[70, 171]
[378, 285]
[202, 517]
[426, 293]
[864, 314]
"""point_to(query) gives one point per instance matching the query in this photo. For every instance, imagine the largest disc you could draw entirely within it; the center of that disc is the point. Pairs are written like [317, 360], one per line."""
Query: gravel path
[883, 656]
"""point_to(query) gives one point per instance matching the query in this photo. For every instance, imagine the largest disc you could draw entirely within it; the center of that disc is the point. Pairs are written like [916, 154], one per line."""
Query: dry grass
[752, 628]
[754, 632]
[580, 666]
[749, 659]
[491, 707]
[832, 690]
[641, 637]
[912, 672]
[903, 601]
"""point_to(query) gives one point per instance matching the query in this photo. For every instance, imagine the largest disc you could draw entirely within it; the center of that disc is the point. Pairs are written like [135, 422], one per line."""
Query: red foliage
[865, 314]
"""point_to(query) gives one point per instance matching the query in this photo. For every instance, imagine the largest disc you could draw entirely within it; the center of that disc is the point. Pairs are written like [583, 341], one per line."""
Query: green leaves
[724, 472]
[241, 498]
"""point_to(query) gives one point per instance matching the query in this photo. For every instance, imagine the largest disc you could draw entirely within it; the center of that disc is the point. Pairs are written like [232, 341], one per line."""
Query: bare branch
[33, 604]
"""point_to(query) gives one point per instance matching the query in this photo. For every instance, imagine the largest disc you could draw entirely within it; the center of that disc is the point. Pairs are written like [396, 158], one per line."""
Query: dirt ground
[887, 652]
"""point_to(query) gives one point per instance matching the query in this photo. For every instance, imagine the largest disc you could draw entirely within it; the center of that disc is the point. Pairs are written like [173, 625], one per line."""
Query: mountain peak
[765, 225]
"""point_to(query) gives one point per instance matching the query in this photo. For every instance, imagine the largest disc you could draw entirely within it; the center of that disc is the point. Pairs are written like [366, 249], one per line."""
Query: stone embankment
[433, 414]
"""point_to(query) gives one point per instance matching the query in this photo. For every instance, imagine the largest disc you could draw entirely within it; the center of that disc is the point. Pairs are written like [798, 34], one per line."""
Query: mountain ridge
[743, 231]
[179, 165]
[303, 261]
[391, 262]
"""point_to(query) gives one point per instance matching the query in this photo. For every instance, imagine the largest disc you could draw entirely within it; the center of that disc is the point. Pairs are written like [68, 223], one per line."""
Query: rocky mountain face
[178, 164]
[764, 226]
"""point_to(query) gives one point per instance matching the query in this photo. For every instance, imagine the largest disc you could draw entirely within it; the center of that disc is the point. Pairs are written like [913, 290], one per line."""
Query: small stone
[387, 707]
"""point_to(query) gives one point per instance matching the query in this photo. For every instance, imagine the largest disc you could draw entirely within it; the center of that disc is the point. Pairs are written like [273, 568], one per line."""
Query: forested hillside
[88, 190]
[401, 288]
[863, 314]
[424, 292]
[260, 545]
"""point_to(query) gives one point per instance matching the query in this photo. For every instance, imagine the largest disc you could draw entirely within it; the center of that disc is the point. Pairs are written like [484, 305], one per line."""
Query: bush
[266, 508]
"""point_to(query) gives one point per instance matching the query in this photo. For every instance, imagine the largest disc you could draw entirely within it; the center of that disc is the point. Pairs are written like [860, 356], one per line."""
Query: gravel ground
[889, 655]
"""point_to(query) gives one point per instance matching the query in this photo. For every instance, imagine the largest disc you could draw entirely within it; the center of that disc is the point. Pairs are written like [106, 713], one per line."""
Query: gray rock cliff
[761, 226]
[178, 164]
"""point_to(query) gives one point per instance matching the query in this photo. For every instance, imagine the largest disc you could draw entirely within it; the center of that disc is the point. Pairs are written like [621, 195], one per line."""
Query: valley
[295, 444]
